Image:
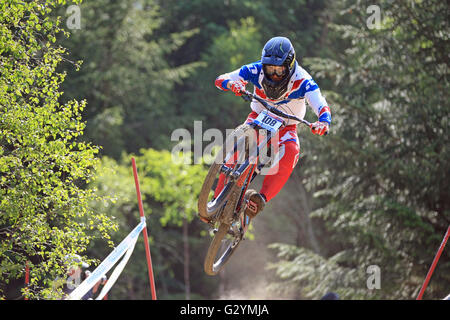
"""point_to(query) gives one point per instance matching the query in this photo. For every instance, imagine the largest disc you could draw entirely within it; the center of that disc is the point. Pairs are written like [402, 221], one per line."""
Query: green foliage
[232, 33]
[126, 77]
[307, 275]
[381, 188]
[377, 185]
[169, 191]
[229, 51]
[172, 183]
[44, 207]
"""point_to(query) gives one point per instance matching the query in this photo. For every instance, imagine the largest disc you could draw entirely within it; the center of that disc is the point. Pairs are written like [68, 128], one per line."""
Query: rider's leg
[221, 182]
[280, 172]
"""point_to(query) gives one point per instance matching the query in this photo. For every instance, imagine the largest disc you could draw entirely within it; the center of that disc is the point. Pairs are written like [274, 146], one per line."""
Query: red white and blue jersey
[301, 86]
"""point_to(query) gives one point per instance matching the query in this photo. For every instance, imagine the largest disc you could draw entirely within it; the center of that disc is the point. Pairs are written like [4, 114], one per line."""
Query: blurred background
[374, 192]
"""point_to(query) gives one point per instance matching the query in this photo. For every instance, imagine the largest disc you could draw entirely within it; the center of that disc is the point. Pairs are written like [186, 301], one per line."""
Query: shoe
[255, 203]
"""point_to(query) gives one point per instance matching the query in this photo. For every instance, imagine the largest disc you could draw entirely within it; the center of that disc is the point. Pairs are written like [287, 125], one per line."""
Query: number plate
[268, 122]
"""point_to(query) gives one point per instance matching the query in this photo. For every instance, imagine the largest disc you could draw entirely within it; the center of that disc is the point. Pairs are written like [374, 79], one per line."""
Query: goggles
[275, 70]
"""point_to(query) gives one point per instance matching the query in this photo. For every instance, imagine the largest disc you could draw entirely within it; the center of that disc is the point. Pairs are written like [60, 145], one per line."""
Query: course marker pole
[144, 231]
[433, 265]
[27, 276]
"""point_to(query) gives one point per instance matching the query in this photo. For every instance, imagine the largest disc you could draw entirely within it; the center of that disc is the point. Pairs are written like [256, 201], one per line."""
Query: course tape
[125, 247]
[116, 273]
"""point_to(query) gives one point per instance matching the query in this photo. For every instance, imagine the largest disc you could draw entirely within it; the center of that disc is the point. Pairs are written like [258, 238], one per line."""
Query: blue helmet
[278, 51]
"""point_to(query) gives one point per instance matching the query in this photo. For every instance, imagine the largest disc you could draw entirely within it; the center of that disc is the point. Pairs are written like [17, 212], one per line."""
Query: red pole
[144, 231]
[27, 277]
[106, 295]
[433, 265]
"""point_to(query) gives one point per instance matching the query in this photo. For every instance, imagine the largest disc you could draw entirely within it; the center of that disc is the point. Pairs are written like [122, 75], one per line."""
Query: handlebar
[248, 96]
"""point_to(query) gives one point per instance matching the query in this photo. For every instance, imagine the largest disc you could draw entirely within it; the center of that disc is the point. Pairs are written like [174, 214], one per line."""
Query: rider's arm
[320, 106]
[309, 90]
[316, 101]
[223, 81]
[249, 72]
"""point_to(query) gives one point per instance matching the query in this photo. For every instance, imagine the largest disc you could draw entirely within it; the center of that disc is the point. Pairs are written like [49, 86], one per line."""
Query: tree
[169, 191]
[227, 39]
[227, 52]
[379, 191]
[44, 167]
[126, 77]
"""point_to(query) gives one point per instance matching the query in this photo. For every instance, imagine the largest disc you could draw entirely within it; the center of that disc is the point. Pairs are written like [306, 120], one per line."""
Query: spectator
[77, 272]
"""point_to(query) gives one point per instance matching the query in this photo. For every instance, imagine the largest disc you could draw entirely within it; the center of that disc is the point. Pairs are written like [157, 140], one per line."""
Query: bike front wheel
[233, 152]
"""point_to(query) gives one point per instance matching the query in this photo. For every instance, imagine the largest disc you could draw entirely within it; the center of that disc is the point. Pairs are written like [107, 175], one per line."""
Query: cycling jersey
[301, 86]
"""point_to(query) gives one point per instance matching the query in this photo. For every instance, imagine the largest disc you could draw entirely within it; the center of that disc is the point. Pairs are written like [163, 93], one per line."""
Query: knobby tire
[213, 173]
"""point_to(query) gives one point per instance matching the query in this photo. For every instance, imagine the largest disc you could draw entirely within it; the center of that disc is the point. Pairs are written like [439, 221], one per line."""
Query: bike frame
[261, 144]
[226, 208]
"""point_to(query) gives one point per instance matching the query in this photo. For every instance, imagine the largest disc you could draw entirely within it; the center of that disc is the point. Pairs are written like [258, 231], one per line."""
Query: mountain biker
[282, 82]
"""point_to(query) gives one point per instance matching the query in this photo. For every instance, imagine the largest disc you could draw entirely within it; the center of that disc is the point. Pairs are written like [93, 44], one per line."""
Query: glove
[320, 128]
[238, 86]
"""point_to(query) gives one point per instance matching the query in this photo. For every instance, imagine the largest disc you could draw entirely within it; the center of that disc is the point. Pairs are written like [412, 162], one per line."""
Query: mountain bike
[242, 157]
